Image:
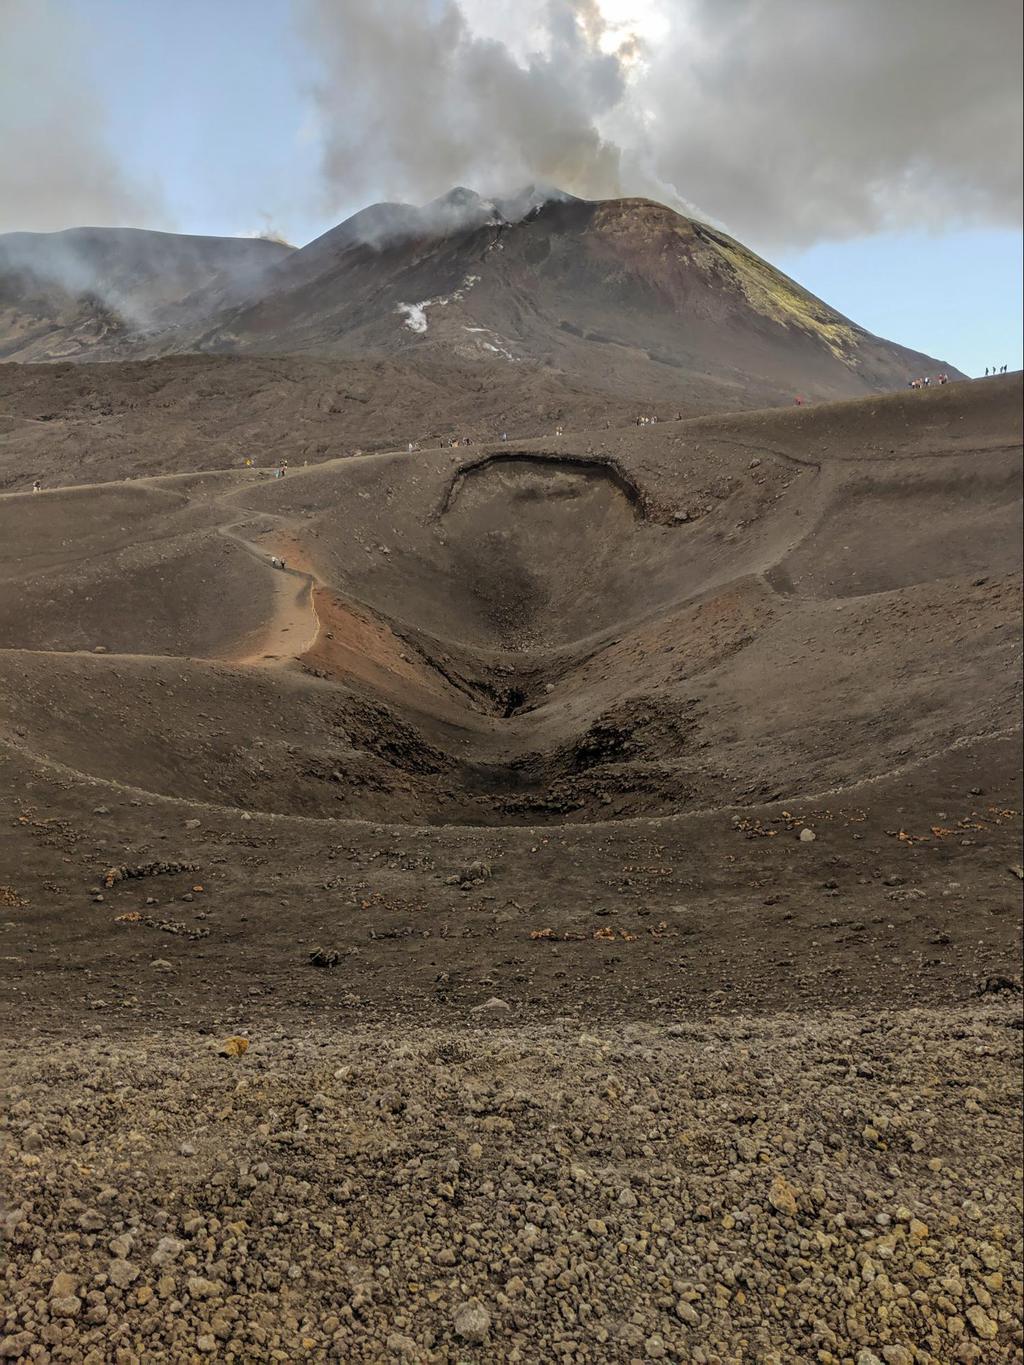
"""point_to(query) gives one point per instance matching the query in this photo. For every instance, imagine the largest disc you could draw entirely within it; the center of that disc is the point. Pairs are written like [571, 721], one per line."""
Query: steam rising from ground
[786, 121]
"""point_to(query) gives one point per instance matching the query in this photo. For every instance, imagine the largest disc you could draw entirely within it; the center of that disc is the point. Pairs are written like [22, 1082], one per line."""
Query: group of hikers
[279, 470]
[646, 421]
[927, 381]
[1000, 370]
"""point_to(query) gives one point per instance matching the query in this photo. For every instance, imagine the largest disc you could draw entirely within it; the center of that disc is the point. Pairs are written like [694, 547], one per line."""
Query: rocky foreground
[845, 1190]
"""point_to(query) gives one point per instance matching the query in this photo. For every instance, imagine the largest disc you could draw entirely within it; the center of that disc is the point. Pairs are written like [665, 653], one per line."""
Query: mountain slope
[64, 295]
[622, 295]
[624, 291]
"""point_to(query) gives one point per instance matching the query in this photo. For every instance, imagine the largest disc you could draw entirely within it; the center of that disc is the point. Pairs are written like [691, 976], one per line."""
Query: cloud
[800, 122]
[56, 166]
[789, 123]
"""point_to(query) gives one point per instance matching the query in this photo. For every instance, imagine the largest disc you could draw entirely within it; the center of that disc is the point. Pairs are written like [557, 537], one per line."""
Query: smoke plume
[412, 101]
[787, 122]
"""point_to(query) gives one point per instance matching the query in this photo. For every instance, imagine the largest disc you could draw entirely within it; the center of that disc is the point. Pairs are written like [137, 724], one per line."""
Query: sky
[871, 151]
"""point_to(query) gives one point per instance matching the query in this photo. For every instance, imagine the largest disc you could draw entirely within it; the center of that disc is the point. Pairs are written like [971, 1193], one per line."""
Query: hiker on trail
[36, 486]
[504, 435]
[798, 401]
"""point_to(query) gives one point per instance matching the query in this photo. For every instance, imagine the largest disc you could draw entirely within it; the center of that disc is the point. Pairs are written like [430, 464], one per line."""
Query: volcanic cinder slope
[486, 822]
[621, 296]
[93, 423]
[592, 629]
[66, 294]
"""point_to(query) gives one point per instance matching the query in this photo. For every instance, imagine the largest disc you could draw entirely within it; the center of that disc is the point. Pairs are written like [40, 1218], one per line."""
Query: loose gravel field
[770, 1190]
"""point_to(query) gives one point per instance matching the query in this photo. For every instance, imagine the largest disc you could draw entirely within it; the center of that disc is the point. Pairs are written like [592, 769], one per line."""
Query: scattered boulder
[495, 1004]
[168, 1249]
[235, 1046]
[782, 1196]
[63, 1284]
[981, 1322]
[201, 1288]
[122, 1273]
[472, 1322]
[475, 872]
[998, 985]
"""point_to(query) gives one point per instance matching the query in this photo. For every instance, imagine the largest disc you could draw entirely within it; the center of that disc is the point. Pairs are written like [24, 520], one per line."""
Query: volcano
[620, 295]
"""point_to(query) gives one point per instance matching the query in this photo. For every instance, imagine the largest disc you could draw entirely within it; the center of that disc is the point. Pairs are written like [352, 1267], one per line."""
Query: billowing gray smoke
[412, 102]
[788, 122]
